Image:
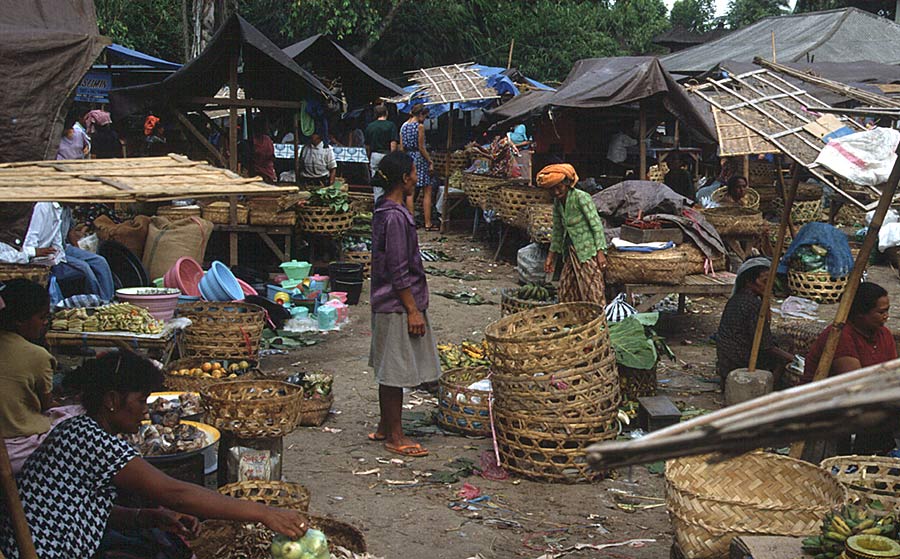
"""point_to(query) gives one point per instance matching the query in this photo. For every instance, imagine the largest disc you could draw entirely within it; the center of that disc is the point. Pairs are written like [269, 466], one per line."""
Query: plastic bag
[864, 158]
[619, 309]
[89, 243]
[888, 236]
[530, 261]
[891, 217]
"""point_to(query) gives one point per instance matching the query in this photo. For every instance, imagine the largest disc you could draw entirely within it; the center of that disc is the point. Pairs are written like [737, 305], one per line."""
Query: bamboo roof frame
[144, 179]
[760, 112]
[455, 83]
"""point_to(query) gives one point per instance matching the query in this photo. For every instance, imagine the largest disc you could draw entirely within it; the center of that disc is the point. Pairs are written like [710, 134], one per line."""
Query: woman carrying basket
[578, 236]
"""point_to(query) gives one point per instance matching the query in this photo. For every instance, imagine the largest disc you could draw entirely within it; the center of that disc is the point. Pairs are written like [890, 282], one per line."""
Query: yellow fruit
[232, 375]
[216, 365]
[234, 367]
[196, 371]
[206, 375]
[207, 367]
[244, 365]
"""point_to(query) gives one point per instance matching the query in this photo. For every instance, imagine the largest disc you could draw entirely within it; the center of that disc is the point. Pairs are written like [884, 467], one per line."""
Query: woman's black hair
[749, 276]
[732, 183]
[418, 109]
[391, 170]
[116, 371]
[23, 299]
[867, 296]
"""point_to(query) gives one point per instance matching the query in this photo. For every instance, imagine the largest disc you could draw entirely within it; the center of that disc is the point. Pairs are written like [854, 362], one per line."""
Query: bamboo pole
[296, 148]
[791, 227]
[770, 280]
[642, 124]
[21, 531]
[232, 155]
[445, 213]
[512, 45]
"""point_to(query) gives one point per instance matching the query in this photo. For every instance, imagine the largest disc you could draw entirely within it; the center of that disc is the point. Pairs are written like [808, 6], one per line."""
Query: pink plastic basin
[245, 287]
[185, 275]
[160, 301]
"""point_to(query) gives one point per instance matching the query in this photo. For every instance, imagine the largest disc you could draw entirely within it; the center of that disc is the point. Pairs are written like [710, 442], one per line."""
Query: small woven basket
[218, 212]
[762, 173]
[514, 202]
[279, 494]
[548, 339]
[868, 478]
[254, 408]
[753, 494]
[735, 221]
[750, 201]
[266, 210]
[319, 220]
[540, 223]
[664, 267]
[463, 409]
[510, 304]
[817, 286]
[636, 383]
[314, 411]
[33, 272]
[363, 257]
[174, 213]
[222, 330]
[184, 383]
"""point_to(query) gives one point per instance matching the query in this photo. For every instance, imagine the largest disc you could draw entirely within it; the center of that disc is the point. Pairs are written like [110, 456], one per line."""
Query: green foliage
[332, 197]
[744, 12]
[693, 15]
[151, 26]
[635, 23]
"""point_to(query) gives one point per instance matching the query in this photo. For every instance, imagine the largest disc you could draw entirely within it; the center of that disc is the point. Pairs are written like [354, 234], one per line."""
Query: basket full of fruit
[192, 374]
[528, 296]
[855, 531]
[252, 409]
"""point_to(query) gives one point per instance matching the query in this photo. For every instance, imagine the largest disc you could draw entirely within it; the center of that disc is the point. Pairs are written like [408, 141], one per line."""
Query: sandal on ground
[408, 450]
[376, 437]
[432, 228]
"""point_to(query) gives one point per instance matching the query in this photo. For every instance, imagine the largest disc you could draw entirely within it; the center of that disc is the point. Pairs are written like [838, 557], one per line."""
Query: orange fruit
[216, 365]
[206, 367]
[196, 371]
[184, 372]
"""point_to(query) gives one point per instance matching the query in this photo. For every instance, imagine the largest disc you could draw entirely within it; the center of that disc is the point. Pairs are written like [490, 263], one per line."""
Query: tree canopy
[744, 12]
[697, 16]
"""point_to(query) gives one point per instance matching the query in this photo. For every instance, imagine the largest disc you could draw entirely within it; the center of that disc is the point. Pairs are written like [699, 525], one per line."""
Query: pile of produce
[809, 258]
[355, 243]
[467, 355]
[115, 317]
[849, 521]
[255, 541]
[215, 370]
[333, 197]
[188, 403]
[160, 439]
[537, 292]
[313, 545]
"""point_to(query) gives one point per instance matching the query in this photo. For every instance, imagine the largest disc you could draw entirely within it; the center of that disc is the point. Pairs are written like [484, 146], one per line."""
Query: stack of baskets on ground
[711, 502]
[515, 201]
[556, 389]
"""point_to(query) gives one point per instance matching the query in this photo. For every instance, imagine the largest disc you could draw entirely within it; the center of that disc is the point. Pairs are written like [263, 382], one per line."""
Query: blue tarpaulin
[141, 58]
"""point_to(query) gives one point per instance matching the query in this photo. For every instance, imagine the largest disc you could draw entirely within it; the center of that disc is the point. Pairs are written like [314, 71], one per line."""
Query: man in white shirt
[79, 128]
[319, 164]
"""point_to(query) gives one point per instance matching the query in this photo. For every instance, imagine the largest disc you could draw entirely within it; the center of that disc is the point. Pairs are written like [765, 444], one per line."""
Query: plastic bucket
[353, 289]
[345, 272]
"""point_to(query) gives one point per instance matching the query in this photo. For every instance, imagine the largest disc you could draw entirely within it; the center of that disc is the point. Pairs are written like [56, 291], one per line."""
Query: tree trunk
[385, 23]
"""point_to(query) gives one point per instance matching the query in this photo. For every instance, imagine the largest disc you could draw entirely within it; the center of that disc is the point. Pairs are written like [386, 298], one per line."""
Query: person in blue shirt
[519, 137]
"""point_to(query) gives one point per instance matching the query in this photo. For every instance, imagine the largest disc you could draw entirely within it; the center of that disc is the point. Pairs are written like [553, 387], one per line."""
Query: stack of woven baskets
[556, 389]
[540, 223]
[515, 202]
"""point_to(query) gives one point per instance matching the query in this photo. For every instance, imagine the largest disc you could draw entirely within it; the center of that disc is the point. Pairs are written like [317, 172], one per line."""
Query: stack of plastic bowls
[219, 284]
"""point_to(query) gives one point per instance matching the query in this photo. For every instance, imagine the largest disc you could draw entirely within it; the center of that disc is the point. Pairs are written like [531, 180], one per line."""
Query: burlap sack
[167, 241]
[131, 233]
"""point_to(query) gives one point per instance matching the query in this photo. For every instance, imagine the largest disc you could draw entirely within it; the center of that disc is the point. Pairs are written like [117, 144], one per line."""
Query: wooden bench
[720, 284]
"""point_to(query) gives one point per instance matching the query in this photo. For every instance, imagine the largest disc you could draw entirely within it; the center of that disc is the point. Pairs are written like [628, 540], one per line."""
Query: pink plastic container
[185, 275]
[338, 296]
[245, 287]
[343, 311]
[160, 301]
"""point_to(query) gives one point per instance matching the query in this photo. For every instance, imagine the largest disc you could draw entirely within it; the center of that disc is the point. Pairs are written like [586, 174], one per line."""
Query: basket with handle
[540, 223]
[510, 303]
[515, 201]
[33, 272]
[319, 220]
[817, 286]
[219, 212]
[463, 409]
[222, 330]
[253, 408]
[868, 478]
[279, 494]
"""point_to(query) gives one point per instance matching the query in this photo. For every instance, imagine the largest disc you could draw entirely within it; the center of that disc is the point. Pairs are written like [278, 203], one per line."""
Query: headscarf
[95, 119]
[758, 262]
[149, 124]
[552, 175]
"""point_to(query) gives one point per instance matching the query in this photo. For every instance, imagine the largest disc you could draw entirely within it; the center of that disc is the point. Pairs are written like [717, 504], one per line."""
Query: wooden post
[747, 168]
[512, 45]
[296, 148]
[770, 281]
[642, 124]
[783, 192]
[445, 212]
[21, 531]
[232, 155]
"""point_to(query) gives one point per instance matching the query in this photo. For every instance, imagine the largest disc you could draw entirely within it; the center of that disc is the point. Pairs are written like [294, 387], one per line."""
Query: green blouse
[577, 222]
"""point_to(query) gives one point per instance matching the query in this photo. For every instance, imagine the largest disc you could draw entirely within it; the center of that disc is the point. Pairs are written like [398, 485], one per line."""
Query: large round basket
[754, 494]
[510, 304]
[217, 536]
[362, 202]
[548, 339]
[222, 330]
[175, 213]
[817, 286]
[463, 409]
[319, 220]
[280, 494]
[696, 260]
[868, 478]
[540, 223]
[514, 202]
[33, 272]
[219, 212]
[191, 383]
[636, 383]
[266, 210]
[664, 267]
[735, 221]
[253, 408]
[363, 257]
[750, 201]
[314, 411]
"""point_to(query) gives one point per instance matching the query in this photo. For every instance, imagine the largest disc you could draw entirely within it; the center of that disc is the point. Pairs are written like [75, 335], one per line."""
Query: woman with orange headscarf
[577, 235]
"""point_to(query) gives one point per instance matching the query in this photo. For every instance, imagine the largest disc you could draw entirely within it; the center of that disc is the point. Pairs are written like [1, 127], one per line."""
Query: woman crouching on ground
[403, 351]
[69, 483]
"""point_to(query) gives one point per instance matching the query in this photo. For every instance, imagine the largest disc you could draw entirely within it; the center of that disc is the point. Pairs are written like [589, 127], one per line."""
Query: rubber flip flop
[376, 437]
[408, 450]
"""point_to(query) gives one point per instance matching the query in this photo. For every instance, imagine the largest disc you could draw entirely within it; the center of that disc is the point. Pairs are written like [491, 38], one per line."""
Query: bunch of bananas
[466, 355]
[849, 521]
[536, 292]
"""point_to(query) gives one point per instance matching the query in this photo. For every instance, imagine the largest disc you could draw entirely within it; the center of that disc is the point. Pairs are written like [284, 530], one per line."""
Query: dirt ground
[521, 518]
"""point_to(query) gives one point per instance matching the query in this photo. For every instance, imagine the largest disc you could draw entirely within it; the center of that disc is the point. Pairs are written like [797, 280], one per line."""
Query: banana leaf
[633, 347]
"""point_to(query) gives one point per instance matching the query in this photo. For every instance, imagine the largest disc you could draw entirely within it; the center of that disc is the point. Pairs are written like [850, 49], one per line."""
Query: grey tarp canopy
[267, 73]
[597, 83]
[845, 35]
[361, 84]
[46, 46]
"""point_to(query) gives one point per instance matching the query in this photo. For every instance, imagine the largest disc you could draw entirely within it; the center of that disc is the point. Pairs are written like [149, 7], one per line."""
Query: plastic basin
[219, 284]
[247, 288]
[160, 301]
[185, 275]
[296, 270]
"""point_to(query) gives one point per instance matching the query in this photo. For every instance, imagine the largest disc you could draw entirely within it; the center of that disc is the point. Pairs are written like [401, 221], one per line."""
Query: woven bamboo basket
[768, 198]
[636, 383]
[850, 215]
[868, 478]
[796, 335]
[664, 267]
[218, 536]
[817, 286]
[222, 330]
[362, 202]
[540, 223]
[735, 221]
[363, 257]
[319, 220]
[463, 409]
[750, 201]
[804, 212]
[762, 173]
[33, 272]
[515, 201]
[548, 339]
[657, 173]
[314, 411]
[754, 494]
[459, 161]
[510, 304]
[484, 190]
[218, 212]
[696, 260]
[807, 192]
[266, 210]
[184, 383]
[175, 213]
[253, 408]
[280, 494]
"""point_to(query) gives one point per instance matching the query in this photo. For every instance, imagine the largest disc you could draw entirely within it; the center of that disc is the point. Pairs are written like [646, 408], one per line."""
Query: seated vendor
[26, 378]
[679, 178]
[737, 326]
[68, 485]
[735, 193]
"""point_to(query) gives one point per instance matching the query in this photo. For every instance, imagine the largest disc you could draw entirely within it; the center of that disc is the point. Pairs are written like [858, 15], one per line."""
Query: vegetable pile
[115, 317]
[849, 521]
[467, 355]
[313, 545]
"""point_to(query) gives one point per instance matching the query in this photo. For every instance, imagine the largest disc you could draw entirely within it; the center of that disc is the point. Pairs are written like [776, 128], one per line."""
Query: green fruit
[835, 536]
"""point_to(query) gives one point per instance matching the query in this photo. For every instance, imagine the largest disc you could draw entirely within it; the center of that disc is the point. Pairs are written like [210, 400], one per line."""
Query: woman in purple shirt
[403, 351]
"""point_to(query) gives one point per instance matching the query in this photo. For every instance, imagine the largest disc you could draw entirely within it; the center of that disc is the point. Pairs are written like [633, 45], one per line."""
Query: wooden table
[264, 232]
[698, 284]
[160, 348]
